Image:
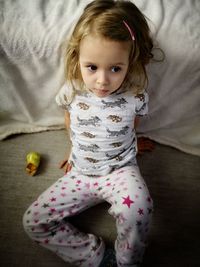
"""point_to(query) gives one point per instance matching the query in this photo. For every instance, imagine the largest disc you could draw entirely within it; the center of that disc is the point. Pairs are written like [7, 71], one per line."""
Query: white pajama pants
[46, 222]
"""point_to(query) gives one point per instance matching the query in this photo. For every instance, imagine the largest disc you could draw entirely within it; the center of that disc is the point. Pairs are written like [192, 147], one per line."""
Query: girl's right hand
[65, 165]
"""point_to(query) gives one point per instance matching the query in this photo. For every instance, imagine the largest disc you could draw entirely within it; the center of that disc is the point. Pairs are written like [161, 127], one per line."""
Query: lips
[102, 90]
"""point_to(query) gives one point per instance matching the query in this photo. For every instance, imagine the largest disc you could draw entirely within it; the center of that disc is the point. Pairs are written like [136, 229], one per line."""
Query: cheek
[121, 78]
[124, 74]
[83, 73]
[87, 78]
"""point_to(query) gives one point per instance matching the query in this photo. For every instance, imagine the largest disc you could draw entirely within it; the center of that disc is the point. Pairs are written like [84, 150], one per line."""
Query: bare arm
[136, 122]
[67, 120]
[143, 143]
[64, 164]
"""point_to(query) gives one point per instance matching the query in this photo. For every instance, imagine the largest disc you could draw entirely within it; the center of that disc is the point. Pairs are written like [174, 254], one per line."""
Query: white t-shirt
[102, 133]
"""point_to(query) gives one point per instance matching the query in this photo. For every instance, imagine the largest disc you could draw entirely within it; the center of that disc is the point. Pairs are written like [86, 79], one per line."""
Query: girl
[103, 95]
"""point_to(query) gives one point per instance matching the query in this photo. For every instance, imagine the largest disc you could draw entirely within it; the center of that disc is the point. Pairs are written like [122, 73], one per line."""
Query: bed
[31, 68]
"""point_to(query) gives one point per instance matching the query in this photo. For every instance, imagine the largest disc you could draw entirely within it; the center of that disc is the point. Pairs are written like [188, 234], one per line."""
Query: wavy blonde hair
[105, 18]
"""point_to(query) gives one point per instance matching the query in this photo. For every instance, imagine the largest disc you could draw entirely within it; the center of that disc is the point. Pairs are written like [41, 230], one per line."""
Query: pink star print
[141, 212]
[127, 201]
[87, 185]
[52, 210]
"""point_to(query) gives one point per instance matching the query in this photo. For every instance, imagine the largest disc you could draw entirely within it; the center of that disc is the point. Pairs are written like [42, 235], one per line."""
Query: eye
[115, 69]
[92, 68]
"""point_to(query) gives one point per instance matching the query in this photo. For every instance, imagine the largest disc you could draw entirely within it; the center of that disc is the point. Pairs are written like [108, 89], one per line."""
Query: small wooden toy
[33, 162]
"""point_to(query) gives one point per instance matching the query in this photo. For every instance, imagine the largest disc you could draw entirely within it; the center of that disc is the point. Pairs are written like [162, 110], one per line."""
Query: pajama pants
[46, 221]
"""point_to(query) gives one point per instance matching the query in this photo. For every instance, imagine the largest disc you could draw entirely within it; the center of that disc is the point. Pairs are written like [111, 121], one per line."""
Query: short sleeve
[65, 96]
[141, 106]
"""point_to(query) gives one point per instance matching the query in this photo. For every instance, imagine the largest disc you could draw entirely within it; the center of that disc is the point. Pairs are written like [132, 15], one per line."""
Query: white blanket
[31, 70]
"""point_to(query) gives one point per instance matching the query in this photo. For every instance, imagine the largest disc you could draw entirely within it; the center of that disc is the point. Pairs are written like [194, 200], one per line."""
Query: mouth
[102, 90]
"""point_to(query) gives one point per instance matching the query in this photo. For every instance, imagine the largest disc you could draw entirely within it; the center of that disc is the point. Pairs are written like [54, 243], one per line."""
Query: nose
[102, 78]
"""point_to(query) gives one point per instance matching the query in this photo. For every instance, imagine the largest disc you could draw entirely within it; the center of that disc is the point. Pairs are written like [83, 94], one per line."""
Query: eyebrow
[119, 63]
[114, 64]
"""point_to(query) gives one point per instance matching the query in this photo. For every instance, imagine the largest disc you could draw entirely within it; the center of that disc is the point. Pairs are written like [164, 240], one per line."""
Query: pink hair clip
[130, 30]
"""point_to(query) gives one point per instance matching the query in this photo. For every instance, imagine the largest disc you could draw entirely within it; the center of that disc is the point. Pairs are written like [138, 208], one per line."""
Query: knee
[137, 208]
[144, 207]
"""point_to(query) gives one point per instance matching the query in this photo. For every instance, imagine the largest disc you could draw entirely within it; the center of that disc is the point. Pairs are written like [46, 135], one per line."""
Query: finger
[146, 144]
[146, 147]
[68, 168]
[62, 164]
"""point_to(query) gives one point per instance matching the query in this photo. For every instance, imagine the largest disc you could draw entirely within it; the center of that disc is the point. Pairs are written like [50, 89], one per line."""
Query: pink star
[52, 210]
[141, 211]
[87, 185]
[127, 201]
[62, 229]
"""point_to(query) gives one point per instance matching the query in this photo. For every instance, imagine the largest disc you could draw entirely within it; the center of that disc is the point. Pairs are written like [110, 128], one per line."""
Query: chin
[102, 94]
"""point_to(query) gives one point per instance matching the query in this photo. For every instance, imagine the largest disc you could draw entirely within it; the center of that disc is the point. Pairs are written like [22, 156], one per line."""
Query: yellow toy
[33, 162]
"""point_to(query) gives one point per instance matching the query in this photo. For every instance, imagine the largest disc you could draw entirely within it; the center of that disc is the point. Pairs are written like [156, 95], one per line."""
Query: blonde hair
[106, 18]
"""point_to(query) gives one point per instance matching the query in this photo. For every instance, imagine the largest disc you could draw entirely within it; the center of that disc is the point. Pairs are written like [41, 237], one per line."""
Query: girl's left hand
[145, 144]
[66, 165]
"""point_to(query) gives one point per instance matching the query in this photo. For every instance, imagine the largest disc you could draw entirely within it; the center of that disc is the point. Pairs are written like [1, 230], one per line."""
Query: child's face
[103, 64]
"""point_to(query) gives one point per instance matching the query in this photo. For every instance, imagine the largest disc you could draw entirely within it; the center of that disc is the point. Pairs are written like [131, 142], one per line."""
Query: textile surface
[171, 176]
[31, 68]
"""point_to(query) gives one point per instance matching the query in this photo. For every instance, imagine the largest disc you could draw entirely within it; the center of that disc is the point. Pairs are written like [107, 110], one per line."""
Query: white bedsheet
[31, 71]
